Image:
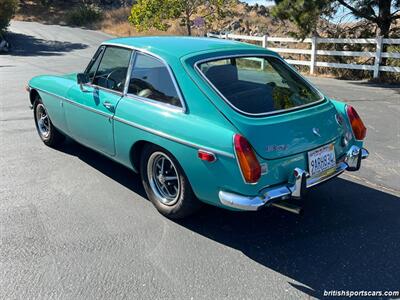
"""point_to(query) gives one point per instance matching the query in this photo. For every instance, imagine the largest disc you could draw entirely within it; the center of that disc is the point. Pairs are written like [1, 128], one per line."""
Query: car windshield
[258, 85]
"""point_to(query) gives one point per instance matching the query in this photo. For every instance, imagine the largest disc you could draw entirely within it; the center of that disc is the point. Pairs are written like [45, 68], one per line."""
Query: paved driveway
[75, 225]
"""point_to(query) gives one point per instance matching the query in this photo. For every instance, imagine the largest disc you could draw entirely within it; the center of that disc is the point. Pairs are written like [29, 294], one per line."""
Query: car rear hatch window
[274, 108]
[258, 85]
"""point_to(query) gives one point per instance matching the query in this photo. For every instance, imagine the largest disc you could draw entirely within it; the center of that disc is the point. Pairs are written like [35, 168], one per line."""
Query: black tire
[185, 202]
[52, 137]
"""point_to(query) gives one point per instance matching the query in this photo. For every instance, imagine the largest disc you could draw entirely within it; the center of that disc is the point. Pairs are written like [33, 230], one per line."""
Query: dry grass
[115, 22]
[34, 11]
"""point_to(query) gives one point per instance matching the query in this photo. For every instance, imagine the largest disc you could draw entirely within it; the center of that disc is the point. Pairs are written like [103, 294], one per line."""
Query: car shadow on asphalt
[113, 170]
[347, 239]
[27, 45]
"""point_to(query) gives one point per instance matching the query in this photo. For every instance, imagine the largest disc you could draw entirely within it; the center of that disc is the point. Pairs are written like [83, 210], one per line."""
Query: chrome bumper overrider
[350, 162]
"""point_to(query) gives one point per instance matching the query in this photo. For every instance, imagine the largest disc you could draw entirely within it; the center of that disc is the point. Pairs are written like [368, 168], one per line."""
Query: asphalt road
[75, 225]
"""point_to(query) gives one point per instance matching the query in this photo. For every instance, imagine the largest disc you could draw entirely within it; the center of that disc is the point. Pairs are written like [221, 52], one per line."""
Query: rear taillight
[247, 159]
[359, 130]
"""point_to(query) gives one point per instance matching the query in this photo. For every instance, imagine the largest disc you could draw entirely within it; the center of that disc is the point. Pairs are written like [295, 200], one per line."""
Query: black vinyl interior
[244, 95]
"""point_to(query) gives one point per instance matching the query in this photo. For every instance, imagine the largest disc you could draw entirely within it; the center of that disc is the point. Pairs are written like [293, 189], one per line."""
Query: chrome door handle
[108, 105]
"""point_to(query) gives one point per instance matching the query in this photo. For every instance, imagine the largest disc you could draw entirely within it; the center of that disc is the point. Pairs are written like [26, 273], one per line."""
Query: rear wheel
[46, 130]
[166, 184]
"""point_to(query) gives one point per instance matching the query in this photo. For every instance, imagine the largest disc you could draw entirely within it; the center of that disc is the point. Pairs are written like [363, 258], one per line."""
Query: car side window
[94, 63]
[112, 70]
[151, 79]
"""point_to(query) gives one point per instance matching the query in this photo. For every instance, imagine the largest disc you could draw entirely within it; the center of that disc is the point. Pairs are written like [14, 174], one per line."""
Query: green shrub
[7, 11]
[84, 15]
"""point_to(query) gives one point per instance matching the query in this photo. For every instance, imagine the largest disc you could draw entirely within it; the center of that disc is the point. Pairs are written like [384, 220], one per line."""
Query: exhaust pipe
[293, 208]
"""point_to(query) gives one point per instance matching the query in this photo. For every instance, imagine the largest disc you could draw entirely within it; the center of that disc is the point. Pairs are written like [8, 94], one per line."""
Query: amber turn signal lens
[247, 159]
[359, 130]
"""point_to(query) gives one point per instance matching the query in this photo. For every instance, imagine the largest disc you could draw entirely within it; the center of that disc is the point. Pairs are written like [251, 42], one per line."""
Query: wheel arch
[137, 148]
[32, 95]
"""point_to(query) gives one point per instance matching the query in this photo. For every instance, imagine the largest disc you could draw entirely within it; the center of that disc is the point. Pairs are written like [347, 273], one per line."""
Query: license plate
[321, 160]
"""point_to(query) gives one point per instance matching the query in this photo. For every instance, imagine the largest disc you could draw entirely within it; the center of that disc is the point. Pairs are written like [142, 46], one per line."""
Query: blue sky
[341, 16]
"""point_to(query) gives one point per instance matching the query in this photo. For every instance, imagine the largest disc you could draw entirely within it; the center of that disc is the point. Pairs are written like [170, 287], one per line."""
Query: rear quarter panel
[341, 109]
[137, 121]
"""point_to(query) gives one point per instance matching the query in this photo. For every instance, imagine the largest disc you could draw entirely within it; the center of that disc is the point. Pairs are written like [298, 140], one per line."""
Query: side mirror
[81, 79]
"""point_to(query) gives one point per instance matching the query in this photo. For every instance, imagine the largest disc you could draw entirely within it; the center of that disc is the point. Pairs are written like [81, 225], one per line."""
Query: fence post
[378, 53]
[314, 42]
[264, 45]
[265, 41]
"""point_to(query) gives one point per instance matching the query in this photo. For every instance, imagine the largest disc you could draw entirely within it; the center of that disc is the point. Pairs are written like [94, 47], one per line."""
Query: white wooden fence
[378, 54]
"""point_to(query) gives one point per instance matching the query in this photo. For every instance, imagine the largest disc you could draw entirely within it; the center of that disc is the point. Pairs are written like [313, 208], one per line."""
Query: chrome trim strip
[154, 102]
[171, 73]
[49, 93]
[196, 66]
[141, 127]
[129, 72]
[94, 86]
[99, 112]
[99, 51]
[172, 138]
[76, 104]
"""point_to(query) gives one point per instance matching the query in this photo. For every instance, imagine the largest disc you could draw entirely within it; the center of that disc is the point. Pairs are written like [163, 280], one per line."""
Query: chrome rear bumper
[350, 162]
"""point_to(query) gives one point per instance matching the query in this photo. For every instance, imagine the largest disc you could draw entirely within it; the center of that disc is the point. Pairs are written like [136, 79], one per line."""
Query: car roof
[179, 46]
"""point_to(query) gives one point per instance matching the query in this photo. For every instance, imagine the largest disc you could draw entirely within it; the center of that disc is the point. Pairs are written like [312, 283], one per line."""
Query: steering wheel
[112, 80]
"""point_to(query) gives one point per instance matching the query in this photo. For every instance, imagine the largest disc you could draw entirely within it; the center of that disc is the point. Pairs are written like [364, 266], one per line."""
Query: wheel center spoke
[42, 121]
[165, 178]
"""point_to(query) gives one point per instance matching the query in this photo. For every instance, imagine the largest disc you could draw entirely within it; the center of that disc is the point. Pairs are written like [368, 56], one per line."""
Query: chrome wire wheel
[42, 121]
[163, 178]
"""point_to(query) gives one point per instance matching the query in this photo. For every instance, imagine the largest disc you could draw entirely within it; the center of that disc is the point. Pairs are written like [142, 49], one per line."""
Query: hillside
[112, 17]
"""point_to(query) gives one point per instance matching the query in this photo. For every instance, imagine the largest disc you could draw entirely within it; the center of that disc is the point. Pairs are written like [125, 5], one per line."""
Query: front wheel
[46, 130]
[166, 184]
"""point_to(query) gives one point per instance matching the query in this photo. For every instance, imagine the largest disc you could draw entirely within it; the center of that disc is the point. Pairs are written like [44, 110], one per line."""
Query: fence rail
[378, 54]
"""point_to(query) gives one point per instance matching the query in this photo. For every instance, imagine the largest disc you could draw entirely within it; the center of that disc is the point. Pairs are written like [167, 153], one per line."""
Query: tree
[306, 14]
[7, 11]
[147, 14]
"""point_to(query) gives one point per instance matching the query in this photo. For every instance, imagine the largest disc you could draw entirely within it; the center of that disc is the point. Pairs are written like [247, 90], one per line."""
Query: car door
[90, 111]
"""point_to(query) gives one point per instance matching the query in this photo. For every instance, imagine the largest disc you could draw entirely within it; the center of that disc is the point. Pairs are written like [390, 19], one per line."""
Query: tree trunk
[384, 23]
[187, 21]
[383, 29]
[384, 18]
[188, 27]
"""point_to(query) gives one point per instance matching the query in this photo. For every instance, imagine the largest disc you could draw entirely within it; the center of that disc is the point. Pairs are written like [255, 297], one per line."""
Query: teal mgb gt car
[202, 120]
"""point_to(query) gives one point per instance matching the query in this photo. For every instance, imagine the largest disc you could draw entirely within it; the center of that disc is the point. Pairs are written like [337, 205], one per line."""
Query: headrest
[223, 73]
